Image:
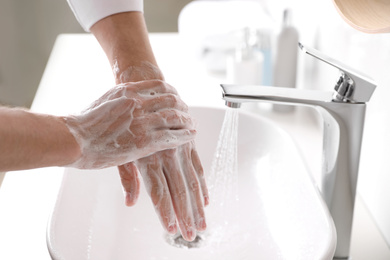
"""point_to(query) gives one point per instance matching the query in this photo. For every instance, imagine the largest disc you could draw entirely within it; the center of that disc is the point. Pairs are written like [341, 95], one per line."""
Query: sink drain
[177, 240]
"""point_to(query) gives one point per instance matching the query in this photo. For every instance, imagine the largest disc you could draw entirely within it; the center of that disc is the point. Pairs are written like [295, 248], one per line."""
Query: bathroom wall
[28, 31]
[161, 16]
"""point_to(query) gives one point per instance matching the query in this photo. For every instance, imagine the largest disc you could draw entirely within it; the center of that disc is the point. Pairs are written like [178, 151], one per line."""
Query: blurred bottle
[263, 44]
[246, 65]
[285, 70]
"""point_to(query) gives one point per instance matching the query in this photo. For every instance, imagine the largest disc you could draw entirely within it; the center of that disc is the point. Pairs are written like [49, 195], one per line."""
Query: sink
[279, 214]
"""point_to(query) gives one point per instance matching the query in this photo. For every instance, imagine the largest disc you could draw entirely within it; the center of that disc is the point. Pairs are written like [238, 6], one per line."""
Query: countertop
[77, 73]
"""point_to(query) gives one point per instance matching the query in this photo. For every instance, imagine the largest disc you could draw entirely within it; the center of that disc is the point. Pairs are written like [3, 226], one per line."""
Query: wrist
[144, 71]
[124, 39]
[72, 149]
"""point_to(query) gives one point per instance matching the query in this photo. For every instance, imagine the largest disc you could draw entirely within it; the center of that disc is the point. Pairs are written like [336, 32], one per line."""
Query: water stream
[223, 177]
[223, 183]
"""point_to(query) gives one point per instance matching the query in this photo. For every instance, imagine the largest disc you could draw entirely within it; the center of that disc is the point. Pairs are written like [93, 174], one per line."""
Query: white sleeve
[88, 12]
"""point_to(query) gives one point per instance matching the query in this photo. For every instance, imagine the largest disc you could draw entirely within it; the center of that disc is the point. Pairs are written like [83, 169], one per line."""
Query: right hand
[130, 121]
[174, 179]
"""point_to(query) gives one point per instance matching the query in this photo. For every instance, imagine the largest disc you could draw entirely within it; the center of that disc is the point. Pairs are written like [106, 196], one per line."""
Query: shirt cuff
[88, 12]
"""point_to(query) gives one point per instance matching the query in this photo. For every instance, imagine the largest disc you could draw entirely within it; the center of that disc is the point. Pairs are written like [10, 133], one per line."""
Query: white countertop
[78, 73]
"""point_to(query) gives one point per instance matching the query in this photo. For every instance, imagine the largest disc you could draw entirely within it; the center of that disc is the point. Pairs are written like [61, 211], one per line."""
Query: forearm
[30, 140]
[124, 39]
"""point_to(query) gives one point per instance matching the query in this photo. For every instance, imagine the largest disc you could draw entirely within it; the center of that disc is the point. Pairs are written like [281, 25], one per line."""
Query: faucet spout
[342, 138]
[253, 93]
[232, 104]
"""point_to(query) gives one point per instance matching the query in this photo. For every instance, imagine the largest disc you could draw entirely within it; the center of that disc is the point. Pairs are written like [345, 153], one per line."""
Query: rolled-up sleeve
[88, 12]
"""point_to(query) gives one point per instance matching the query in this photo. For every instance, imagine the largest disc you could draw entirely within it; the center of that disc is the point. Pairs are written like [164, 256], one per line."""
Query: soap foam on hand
[130, 121]
[174, 179]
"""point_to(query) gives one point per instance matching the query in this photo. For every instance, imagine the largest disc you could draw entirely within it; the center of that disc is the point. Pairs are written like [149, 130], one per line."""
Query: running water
[223, 175]
[223, 182]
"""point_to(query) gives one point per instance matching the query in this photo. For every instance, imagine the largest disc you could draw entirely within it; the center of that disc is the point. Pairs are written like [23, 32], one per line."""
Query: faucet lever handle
[352, 86]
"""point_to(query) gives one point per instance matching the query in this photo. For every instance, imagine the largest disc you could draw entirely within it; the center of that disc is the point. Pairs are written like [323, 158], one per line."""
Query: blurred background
[28, 30]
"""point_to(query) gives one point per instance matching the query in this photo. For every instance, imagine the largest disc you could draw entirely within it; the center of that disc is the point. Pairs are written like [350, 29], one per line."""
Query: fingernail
[203, 225]
[172, 229]
[192, 131]
[129, 199]
[206, 200]
[191, 234]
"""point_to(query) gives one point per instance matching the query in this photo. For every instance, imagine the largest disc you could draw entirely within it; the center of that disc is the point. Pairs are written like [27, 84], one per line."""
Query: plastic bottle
[263, 44]
[246, 65]
[285, 69]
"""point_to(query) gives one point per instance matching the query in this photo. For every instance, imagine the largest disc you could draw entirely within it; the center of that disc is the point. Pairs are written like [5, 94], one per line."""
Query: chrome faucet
[343, 112]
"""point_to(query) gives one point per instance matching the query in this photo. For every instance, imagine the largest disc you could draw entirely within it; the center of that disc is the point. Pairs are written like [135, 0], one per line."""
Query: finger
[114, 93]
[155, 141]
[164, 101]
[163, 139]
[193, 186]
[151, 87]
[158, 190]
[179, 195]
[130, 182]
[168, 119]
[119, 110]
[165, 120]
[200, 174]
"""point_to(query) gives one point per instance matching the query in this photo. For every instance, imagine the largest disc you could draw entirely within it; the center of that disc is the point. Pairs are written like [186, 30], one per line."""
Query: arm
[124, 39]
[125, 124]
[120, 28]
[173, 178]
[29, 140]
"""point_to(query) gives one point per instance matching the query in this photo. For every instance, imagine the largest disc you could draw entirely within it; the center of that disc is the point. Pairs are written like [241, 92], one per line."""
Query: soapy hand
[130, 121]
[173, 178]
[175, 182]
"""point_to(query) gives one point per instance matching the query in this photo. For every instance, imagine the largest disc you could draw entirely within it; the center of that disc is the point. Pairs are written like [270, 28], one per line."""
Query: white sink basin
[280, 216]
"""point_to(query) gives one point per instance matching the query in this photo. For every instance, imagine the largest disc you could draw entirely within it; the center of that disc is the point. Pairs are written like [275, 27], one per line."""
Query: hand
[175, 182]
[174, 178]
[130, 121]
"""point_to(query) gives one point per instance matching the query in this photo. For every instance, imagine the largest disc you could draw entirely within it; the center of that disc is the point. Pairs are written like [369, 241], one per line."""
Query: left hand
[130, 121]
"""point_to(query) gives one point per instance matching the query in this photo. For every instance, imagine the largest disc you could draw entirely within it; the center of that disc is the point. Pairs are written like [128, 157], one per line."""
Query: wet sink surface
[279, 215]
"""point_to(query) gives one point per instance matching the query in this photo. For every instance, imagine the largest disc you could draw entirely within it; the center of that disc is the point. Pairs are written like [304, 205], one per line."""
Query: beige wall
[161, 15]
[28, 31]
